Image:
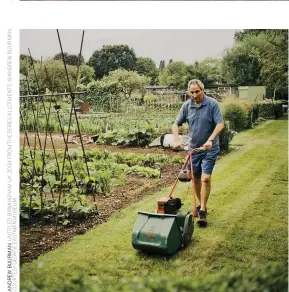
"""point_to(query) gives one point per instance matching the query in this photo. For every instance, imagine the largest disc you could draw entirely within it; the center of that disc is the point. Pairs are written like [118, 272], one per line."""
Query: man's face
[196, 93]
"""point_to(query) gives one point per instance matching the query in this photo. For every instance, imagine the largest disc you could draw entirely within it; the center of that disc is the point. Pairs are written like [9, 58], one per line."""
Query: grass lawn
[247, 216]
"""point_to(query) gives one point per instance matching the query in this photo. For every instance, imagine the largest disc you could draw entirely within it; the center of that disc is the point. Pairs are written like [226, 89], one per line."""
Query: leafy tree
[86, 74]
[57, 76]
[112, 57]
[241, 65]
[98, 95]
[240, 35]
[69, 58]
[258, 57]
[274, 59]
[174, 74]
[147, 67]
[208, 71]
[211, 69]
[171, 60]
[162, 65]
[125, 82]
[25, 63]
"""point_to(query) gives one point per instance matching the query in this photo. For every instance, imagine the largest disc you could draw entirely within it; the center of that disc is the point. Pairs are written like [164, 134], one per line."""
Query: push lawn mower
[168, 229]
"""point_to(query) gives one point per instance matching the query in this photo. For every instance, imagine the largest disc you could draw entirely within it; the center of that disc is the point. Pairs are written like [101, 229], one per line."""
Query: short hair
[196, 82]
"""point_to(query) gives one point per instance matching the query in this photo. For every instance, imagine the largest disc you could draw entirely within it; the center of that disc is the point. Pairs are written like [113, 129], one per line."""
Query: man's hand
[208, 145]
[178, 144]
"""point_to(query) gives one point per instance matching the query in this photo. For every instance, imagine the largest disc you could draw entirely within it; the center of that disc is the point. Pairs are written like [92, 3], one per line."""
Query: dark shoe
[198, 210]
[202, 218]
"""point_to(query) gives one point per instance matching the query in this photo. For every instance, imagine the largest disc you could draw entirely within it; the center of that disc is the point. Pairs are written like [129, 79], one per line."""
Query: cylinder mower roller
[168, 229]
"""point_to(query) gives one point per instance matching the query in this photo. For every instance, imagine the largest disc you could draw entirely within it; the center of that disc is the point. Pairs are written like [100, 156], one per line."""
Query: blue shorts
[204, 162]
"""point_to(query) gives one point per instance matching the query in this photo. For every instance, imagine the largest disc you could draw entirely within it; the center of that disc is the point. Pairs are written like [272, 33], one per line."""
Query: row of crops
[45, 196]
[135, 126]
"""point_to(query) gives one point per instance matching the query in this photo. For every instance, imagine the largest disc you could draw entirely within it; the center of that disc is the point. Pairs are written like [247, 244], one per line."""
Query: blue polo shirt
[202, 120]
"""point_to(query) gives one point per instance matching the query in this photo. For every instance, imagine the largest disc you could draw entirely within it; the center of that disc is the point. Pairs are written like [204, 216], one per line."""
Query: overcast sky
[180, 45]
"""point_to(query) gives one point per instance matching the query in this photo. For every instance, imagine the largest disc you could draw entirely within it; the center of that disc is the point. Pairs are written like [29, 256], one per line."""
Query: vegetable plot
[107, 170]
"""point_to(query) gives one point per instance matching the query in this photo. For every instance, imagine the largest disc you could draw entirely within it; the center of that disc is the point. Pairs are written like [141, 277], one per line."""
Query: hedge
[268, 110]
[237, 116]
[245, 116]
[267, 277]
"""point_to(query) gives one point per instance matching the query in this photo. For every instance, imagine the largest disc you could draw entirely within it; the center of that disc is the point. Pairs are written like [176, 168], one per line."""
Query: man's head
[196, 90]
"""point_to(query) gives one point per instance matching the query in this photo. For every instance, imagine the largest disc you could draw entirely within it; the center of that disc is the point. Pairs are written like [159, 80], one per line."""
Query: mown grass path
[248, 221]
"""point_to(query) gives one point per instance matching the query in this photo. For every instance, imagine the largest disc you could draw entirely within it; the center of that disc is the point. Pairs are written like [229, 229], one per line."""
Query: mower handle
[199, 149]
[189, 156]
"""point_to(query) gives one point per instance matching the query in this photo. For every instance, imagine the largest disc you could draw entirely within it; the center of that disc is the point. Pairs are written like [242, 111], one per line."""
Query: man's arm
[178, 143]
[217, 117]
[181, 118]
[175, 131]
[218, 129]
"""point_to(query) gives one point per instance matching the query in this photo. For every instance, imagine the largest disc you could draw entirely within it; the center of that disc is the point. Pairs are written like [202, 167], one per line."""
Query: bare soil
[37, 239]
[75, 142]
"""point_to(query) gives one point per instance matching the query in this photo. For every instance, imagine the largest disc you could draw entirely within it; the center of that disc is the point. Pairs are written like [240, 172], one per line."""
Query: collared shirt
[202, 120]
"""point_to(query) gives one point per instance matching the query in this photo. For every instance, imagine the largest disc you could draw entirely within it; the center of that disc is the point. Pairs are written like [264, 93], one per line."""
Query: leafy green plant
[236, 115]
[143, 171]
[73, 207]
[150, 98]
[136, 137]
[106, 170]
[225, 138]
[109, 138]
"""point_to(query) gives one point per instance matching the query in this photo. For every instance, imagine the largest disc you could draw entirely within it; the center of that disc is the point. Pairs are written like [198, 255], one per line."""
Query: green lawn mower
[168, 229]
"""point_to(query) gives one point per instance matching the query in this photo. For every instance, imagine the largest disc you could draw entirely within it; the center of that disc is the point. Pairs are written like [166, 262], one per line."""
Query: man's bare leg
[198, 185]
[205, 190]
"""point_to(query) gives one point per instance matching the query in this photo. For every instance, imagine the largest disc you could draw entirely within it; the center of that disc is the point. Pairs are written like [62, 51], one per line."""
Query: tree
[208, 71]
[98, 95]
[211, 69]
[112, 57]
[25, 63]
[147, 67]
[241, 65]
[69, 59]
[57, 76]
[240, 35]
[125, 82]
[171, 60]
[86, 74]
[174, 74]
[274, 58]
[162, 65]
[259, 57]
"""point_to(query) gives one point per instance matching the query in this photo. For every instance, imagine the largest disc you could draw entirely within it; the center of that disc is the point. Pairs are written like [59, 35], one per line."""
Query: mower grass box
[162, 233]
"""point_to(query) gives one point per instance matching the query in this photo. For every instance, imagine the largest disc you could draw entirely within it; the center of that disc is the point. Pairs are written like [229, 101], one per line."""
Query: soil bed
[74, 142]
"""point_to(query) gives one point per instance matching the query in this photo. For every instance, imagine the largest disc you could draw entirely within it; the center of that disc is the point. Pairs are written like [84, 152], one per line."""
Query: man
[203, 115]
